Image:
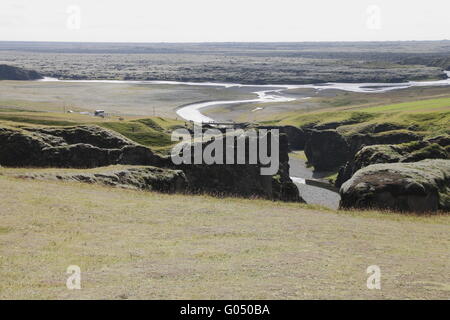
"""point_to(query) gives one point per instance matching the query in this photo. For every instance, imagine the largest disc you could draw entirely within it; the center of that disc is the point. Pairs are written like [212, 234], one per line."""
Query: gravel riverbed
[311, 194]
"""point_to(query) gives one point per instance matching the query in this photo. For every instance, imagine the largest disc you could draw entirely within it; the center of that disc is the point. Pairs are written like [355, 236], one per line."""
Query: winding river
[277, 93]
[268, 93]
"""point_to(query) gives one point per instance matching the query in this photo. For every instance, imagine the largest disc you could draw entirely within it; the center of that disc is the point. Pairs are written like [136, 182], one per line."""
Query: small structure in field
[99, 113]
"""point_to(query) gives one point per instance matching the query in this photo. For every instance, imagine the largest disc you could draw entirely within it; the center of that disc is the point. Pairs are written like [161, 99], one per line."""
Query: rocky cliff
[242, 179]
[92, 147]
[328, 149]
[296, 136]
[71, 147]
[14, 73]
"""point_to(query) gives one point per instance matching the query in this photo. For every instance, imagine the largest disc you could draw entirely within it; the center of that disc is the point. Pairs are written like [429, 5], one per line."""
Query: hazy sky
[223, 20]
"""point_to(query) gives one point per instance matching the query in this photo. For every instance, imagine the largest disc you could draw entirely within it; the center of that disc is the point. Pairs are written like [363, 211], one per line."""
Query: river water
[267, 93]
[277, 93]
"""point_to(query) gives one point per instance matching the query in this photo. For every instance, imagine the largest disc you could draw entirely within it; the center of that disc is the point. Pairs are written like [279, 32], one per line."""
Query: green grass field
[140, 133]
[430, 116]
[153, 132]
[430, 105]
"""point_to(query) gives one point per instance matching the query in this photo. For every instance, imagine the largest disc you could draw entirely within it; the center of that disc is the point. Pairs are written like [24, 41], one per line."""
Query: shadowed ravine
[311, 187]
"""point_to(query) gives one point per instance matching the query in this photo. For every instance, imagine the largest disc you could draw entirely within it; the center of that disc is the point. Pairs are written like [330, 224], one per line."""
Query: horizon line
[201, 42]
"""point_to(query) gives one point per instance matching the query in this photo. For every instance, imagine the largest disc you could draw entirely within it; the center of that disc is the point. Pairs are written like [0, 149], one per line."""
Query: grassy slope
[429, 105]
[336, 100]
[431, 116]
[426, 109]
[141, 132]
[133, 244]
[151, 131]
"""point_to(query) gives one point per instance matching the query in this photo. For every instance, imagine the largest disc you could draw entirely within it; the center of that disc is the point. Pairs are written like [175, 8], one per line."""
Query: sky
[223, 20]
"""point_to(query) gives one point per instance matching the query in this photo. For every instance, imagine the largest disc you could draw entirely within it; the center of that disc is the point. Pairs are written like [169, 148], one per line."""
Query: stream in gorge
[301, 175]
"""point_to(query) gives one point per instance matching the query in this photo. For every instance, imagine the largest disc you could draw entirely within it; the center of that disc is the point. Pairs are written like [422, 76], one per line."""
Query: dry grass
[115, 98]
[133, 244]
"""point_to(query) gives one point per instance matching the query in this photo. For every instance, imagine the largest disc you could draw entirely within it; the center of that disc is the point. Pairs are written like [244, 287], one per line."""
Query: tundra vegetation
[349, 137]
[134, 244]
[139, 228]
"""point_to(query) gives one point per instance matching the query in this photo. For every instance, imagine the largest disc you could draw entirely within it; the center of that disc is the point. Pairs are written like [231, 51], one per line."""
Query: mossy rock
[407, 152]
[70, 147]
[141, 178]
[422, 186]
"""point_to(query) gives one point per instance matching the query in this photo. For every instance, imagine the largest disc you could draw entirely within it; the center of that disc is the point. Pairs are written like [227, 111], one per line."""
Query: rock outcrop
[326, 149]
[93, 146]
[422, 186]
[71, 147]
[145, 178]
[296, 136]
[407, 152]
[242, 179]
[14, 73]
[329, 149]
[442, 140]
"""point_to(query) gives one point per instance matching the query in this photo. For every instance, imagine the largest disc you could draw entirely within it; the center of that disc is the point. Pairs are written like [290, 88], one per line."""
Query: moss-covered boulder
[141, 178]
[406, 152]
[70, 147]
[88, 134]
[422, 186]
[442, 140]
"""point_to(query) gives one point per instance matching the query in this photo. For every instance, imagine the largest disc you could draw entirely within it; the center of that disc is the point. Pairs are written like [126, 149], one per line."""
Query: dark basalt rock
[383, 127]
[328, 149]
[442, 140]
[92, 146]
[408, 152]
[71, 147]
[357, 141]
[14, 73]
[296, 136]
[92, 135]
[242, 179]
[422, 186]
[145, 178]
